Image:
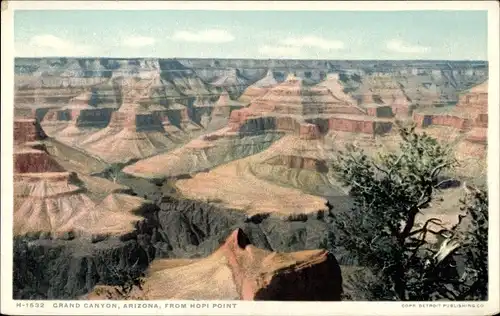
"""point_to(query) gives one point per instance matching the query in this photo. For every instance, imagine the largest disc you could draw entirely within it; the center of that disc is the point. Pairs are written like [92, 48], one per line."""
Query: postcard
[250, 158]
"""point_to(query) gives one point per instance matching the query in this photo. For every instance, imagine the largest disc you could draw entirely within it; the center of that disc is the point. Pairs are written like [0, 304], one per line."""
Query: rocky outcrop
[199, 155]
[225, 105]
[385, 90]
[469, 115]
[293, 97]
[29, 160]
[359, 124]
[475, 99]
[132, 133]
[299, 162]
[308, 111]
[239, 270]
[66, 269]
[56, 203]
[259, 88]
[377, 110]
[93, 117]
[231, 81]
[445, 118]
[309, 131]
[27, 130]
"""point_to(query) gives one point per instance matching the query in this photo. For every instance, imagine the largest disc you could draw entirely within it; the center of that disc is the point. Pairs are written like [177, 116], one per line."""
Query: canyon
[214, 177]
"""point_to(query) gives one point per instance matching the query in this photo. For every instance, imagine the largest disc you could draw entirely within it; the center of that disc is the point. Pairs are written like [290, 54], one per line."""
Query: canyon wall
[34, 161]
[98, 117]
[66, 269]
[359, 125]
[425, 120]
[27, 130]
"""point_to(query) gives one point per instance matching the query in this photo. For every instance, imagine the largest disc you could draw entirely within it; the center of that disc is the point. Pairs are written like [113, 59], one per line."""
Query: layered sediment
[470, 115]
[240, 271]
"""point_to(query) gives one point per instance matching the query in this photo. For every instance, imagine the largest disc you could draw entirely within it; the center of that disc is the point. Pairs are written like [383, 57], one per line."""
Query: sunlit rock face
[27, 130]
[50, 200]
[259, 88]
[469, 115]
[293, 106]
[240, 271]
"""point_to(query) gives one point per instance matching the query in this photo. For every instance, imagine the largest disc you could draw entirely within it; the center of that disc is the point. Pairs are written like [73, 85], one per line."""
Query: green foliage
[389, 190]
[112, 172]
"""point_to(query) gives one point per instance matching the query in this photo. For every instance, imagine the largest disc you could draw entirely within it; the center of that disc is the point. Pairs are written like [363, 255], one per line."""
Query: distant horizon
[243, 58]
[291, 35]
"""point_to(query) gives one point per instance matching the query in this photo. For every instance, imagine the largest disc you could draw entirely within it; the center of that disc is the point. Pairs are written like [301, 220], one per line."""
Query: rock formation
[200, 154]
[469, 115]
[27, 130]
[293, 106]
[240, 271]
[385, 91]
[259, 88]
[225, 105]
[231, 81]
[133, 133]
[48, 199]
[336, 88]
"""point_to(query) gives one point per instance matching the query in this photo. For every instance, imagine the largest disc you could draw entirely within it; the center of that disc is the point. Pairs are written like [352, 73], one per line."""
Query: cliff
[387, 91]
[67, 269]
[56, 203]
[132, 133]
[469, 115]
[231, 81]
[259, 88]
[27, 130]
[29, 160]
[239, 270]
[199, 155]
[225, 105]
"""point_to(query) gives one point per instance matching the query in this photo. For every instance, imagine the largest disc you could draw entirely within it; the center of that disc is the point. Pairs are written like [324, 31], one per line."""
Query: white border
[8, 306]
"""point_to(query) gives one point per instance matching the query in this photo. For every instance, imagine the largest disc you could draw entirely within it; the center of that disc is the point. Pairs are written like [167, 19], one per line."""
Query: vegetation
[383, 235]
[127, 279]
[112, 172]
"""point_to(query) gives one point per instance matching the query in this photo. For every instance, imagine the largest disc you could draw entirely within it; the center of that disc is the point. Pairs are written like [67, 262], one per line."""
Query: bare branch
[438, 169]
[443, 182]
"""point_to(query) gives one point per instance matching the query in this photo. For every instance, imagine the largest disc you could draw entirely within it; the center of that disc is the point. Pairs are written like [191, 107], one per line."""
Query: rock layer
[470, 114]
[239, 270]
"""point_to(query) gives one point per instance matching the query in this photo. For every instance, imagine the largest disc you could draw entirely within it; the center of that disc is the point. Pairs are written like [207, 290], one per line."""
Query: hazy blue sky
[254, 34]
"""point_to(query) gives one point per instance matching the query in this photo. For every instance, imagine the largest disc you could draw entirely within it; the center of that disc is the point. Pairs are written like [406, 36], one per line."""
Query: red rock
[475, 99]
[225, 105]
[317, 278]
[292, 97]
[377, 110]
[287, 124]
[471, 111]
[239, 270]
[27, 130]
[424, 120]
[309, 131]
[359, 124]
[34, 161]
[478, 135]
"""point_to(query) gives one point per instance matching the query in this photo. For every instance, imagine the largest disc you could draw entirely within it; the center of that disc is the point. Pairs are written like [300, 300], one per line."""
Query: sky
[445, 35]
